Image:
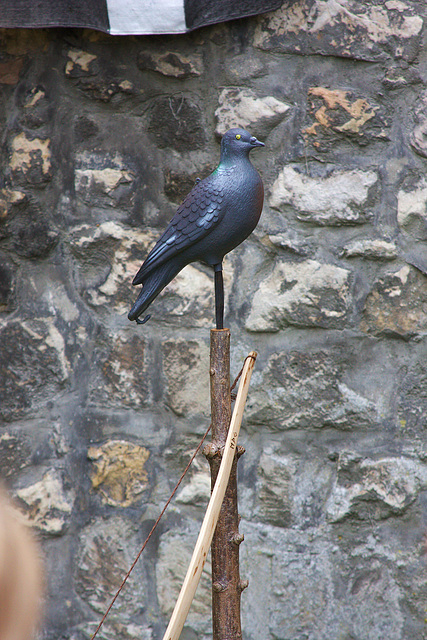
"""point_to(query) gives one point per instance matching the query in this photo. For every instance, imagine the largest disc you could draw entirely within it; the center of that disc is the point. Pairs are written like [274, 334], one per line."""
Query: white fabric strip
[139, 17]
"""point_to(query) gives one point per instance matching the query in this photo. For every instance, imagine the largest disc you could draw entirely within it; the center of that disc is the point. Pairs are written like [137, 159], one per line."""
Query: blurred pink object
[20, 576]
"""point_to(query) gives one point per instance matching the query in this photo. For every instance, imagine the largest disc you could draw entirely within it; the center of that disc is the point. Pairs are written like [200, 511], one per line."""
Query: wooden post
[226, 583]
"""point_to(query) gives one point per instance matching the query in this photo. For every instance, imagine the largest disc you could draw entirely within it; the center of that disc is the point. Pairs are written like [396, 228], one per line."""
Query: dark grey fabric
[199, 13]
[90, 14]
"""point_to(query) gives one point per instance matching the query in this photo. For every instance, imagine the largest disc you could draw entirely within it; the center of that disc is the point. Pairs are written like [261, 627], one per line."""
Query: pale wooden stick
[204, 540]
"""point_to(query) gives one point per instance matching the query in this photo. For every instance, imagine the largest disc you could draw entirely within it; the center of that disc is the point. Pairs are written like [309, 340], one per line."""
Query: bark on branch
[226, 583]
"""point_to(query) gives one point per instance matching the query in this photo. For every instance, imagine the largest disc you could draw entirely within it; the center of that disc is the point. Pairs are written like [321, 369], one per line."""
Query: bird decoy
[216, 216]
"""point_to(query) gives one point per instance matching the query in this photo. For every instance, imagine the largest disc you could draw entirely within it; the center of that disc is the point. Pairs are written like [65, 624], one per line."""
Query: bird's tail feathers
[141, 275]
[153, 285]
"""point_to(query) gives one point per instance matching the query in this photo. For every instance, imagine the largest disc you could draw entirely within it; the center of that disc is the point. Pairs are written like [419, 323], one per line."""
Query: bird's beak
[256, 143]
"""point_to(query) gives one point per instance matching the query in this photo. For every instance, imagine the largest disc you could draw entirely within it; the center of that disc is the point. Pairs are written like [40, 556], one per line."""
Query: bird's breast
[241, 208]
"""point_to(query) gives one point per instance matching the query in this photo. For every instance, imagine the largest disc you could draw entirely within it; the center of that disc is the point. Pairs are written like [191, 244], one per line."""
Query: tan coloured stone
[397, 304]
[359, 111]
[374, 489]
[350, 29]
[45, 334]
[108, 179]
[291, 241]
[47, 505]
[92, 171]
[340, 198]
[307, 293]
[193, 293]
[244, 67]
[371, 249]
[107, 548]
[8, 198]
[29, 153]
[36, 94]
[244, 108]
[171, 63]
[80, 59]
[418, 137]
[412, 210]
[193, 290]
[197, 490]
[36, 370]
[126, 86]
[116, 292]
[119, 474]
[125, 372]
[186, 368]
[274, 489]
[306, 390]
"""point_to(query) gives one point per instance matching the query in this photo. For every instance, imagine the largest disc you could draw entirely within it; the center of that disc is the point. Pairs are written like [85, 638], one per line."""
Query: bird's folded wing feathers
[201, 210]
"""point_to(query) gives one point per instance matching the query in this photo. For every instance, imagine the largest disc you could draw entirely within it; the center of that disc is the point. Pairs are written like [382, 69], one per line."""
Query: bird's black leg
[219, 296]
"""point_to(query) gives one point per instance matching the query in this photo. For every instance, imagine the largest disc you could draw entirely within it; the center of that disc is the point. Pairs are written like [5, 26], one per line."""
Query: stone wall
[101, 138]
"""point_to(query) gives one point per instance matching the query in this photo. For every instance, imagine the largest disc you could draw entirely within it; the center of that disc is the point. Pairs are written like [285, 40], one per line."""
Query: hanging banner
[129, 17]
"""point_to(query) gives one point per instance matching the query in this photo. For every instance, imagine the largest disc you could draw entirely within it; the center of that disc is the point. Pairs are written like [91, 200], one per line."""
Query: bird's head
[238, 142]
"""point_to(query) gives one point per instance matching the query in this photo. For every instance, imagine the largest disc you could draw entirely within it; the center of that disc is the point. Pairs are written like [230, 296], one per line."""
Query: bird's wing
[201, 210]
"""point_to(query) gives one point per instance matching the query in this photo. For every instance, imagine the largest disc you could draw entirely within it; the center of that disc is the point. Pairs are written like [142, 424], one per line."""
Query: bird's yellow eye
[238, 136]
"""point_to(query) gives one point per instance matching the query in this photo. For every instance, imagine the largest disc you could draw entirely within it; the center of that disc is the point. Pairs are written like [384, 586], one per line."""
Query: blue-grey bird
[216, 216]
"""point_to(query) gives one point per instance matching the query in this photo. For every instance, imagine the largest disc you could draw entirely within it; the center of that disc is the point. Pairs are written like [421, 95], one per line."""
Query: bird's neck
[229, 160]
